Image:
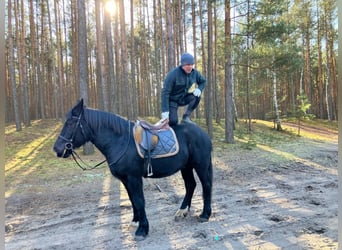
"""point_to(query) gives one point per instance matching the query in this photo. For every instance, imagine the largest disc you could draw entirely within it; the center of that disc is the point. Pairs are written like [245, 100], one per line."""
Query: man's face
[187, 68]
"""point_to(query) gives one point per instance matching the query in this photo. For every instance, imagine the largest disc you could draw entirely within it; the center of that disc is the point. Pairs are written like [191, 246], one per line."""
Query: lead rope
[74, 155]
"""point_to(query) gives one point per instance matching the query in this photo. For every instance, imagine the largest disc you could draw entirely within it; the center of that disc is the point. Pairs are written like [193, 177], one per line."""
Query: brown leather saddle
[154, 141]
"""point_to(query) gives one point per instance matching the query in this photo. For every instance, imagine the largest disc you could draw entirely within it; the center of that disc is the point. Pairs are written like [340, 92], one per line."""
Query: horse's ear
[78, 108]
[81, 102]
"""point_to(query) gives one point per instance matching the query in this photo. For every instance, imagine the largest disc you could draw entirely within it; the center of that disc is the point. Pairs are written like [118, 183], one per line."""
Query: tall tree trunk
[60, 68]
[157, 55]
[147, 62]
[67, 50]
[169, 31]
[110, 62]
[11, 68]
[124, 62]
[218, 108]
[133, 53]
[331, 60]
[163, 46]
[88, 148]
[320, 92]
[229, 114]
[117, 56]
[73, 95]
[275, 102]
[194, 31]
[181, 29]
[249, 128]
[102, 87]
[209, 92]
[21, 31]
[327, 94]
[203, 47]
[46, 92]
[34, 66]
[194, 38]
[53, 74]
[82, 50]
[307, 50]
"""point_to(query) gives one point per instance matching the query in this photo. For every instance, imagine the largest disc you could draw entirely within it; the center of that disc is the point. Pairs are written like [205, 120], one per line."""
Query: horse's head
[73, 134]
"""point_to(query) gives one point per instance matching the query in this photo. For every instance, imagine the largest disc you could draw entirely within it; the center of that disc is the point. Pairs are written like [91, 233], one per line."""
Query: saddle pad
[167, 144]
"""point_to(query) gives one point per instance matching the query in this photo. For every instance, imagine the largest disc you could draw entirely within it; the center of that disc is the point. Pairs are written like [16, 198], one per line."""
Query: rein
[75, 156]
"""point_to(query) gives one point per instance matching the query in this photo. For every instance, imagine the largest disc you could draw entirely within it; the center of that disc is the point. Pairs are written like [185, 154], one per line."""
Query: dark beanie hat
[187, 59]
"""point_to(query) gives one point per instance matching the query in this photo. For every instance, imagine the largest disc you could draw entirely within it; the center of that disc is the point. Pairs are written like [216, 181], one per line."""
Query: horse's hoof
[134, 224]
[139, 237]
[202, 219]
[181, 213]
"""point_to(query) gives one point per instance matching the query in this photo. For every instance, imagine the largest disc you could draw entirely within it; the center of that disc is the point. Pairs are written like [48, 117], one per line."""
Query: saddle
[154, 141]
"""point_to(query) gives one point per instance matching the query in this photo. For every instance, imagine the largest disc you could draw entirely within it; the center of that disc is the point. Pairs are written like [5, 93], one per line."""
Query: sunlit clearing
[104, 203]
[308, 130]
[110, 7]
[28, 153]
[21, 161]
[292, 157]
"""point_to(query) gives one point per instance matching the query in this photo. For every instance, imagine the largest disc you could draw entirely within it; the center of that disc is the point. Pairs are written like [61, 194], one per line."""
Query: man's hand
[165, 115]
[197, 92]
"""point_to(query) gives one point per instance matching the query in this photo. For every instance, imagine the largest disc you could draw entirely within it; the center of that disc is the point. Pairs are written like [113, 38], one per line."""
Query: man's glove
[197, 92]
[165, 115]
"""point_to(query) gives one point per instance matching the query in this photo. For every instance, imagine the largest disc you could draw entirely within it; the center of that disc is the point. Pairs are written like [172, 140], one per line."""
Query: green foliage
[303, 107]
[250, 144]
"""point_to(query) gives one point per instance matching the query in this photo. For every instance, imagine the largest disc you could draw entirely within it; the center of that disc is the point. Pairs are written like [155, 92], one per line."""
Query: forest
[263, 59]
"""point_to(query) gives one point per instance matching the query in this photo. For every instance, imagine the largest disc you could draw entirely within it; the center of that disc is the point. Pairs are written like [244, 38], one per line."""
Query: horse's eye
[69, 122]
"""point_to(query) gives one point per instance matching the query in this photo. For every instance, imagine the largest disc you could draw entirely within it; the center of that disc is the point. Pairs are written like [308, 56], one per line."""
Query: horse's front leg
[135, 220]
[134, 188]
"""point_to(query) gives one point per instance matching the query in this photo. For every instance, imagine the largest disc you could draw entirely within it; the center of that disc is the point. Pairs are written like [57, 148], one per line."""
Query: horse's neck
[105, 134]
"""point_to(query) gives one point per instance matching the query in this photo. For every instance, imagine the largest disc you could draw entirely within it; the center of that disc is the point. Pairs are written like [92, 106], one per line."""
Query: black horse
[112, 135]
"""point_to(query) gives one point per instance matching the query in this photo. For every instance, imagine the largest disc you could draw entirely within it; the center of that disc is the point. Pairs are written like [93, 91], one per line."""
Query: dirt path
[266, 198]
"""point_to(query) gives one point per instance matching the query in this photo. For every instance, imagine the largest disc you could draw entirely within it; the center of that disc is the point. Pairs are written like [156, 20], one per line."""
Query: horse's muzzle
[63, 149]
[67, 153]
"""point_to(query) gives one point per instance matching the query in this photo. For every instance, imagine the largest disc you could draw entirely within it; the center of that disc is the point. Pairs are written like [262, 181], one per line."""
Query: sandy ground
[282, 197]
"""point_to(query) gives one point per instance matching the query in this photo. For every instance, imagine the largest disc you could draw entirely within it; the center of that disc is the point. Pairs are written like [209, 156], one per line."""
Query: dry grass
[29, 152]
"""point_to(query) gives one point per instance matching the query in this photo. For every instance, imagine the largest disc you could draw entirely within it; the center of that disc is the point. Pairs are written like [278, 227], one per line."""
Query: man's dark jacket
[177, 84]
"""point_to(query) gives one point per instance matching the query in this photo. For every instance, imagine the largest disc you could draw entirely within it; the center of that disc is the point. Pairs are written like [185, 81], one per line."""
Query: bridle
[69, 142]
[68, 146]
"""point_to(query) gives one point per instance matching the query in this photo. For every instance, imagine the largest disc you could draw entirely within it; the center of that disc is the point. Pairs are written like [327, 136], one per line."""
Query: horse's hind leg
[190, 185]
[206, 178]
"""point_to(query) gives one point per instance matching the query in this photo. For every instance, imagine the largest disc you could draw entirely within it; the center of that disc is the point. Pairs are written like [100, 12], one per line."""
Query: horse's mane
[101, 119]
